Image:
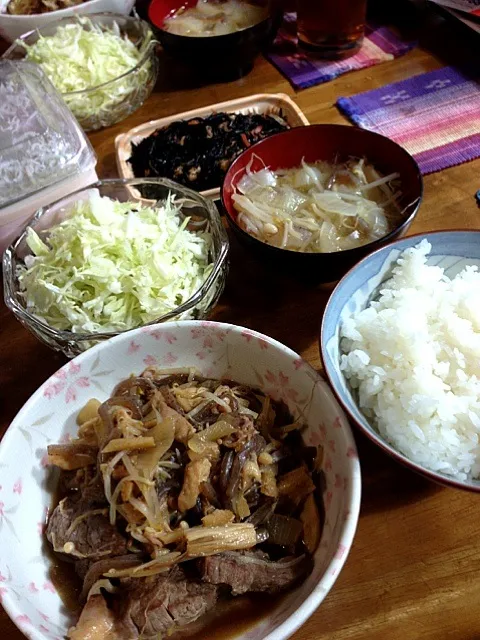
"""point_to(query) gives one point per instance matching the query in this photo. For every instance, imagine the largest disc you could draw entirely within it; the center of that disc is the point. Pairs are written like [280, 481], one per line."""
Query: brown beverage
[331, 28]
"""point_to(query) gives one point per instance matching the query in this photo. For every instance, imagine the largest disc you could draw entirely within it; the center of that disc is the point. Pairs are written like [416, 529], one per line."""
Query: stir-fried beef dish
[180, 491]
[198, 152]
[32, 7]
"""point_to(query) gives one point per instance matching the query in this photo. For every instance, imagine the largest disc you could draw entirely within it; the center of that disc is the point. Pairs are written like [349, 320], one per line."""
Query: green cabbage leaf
[112, 266]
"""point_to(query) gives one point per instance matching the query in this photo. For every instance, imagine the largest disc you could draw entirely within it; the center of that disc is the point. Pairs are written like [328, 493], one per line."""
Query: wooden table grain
[413, 571]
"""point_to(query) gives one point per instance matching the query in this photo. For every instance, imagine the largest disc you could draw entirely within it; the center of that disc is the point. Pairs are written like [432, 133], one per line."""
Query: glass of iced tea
[331, 29]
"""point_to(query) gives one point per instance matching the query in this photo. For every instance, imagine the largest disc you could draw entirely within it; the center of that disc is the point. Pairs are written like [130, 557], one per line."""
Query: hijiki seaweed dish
[198, 152]
[179, 493]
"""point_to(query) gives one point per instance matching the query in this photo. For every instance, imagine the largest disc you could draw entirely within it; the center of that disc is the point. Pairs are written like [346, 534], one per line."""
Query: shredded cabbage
[113, 266]
[81, 56]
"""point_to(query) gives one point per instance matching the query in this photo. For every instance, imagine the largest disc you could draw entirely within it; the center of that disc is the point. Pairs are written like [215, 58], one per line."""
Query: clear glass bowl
[112, 101]
[198, 307]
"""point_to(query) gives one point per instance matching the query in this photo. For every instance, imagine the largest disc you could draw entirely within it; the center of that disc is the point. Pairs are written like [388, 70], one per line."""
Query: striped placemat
[380, 45]
[435, 116]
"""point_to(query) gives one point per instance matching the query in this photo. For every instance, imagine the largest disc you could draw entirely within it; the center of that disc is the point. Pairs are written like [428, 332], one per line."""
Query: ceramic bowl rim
[352, 467]
[370, 246]
[372, 435]
[221, 38]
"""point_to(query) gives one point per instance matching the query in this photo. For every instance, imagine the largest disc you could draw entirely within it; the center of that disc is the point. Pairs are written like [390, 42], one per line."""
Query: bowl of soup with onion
[316, 199]
[219, 38]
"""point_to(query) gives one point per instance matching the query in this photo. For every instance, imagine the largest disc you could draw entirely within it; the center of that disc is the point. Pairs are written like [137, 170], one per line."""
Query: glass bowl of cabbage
[104, 65]
[114, 256]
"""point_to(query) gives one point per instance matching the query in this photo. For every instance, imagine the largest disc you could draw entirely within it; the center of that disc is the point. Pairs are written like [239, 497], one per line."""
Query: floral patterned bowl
[27, 592]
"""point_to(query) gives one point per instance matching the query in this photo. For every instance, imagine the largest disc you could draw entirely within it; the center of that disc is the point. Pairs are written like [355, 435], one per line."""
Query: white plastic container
[264, 103]
[44, 154]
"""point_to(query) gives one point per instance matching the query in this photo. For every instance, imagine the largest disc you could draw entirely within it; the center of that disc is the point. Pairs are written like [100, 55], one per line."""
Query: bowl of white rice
[400, 344]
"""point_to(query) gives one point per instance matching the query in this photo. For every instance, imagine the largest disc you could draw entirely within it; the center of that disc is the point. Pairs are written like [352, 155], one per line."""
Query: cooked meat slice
[91, 571]
[71, 456]
[190, 601]
[208, 415]
[93, 493]
[245, 571]
[84, 532]
[76, 481]
[161, 603]
[244, 431]
[196, 473]
[97, 622]
[131, 387]
[82, 567]
[183, 429]
[170, 398]
[164, 380]
[157, 621]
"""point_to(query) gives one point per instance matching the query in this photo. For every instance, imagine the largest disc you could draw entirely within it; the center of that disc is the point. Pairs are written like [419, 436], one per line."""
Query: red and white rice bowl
[217, 350]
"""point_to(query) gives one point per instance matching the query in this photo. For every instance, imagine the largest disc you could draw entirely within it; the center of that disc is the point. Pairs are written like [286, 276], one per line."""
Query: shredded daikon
[318, 208]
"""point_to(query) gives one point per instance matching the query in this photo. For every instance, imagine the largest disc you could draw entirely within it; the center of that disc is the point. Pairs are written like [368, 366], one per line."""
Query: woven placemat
[435, 116]
[380, 45]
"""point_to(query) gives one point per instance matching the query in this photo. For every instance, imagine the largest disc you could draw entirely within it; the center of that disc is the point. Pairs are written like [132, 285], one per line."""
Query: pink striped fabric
[435, 116]
[380, 45]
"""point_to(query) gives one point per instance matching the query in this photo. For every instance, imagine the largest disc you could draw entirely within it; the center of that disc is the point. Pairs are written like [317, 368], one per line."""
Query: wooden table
[413, 571]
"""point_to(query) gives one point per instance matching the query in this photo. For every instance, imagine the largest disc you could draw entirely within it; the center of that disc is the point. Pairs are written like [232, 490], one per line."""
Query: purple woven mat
[435, 116]
[380, 45]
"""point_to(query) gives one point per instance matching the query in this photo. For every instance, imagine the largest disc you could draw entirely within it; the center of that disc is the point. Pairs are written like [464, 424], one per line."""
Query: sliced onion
[97, 569]
[265, 178]
[289, 213]
[163, 434]
[329, 238]
[283, 531]
[262, 514]
[159, 565]
[214, 432]
[104, 584]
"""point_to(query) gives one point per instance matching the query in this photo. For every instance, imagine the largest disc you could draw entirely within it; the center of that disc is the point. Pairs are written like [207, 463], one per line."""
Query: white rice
[412, 358]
